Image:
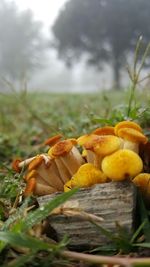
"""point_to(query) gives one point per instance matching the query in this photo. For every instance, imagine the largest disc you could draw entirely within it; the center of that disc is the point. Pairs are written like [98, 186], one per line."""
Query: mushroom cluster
[106, 154]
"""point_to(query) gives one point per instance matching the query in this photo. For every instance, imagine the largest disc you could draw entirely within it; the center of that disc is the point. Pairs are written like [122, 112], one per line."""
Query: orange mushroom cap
[15, 165]
[142, 180]
[53, 140]
[104, 144]
[127, 124]
[87, 139]
[61, 148]
[106, 130]
[132, 135]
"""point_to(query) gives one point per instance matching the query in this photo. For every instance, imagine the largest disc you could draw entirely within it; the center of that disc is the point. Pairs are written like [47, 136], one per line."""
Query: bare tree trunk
[116, 74]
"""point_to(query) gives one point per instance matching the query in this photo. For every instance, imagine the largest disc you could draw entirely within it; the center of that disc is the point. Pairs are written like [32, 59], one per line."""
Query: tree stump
[113, 202]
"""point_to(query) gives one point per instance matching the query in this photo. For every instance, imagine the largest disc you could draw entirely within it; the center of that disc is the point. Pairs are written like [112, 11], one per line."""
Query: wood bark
[115, 202]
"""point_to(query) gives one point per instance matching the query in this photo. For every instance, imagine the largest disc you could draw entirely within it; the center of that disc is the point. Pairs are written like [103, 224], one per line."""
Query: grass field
[28, 119]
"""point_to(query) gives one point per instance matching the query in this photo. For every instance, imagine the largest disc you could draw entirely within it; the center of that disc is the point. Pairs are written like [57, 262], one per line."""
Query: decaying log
[113, 202]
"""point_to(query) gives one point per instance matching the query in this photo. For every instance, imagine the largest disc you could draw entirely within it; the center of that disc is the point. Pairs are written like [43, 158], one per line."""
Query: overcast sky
[43, 10]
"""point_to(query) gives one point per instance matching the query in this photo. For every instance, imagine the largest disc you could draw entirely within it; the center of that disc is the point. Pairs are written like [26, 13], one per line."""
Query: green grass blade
[23, 240]
[137, 232]
[20, 260]
[41, 213]
[143, 245]
[144, 217]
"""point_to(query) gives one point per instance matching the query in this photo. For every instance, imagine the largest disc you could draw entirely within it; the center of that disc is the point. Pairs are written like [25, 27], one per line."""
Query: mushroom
[87, 140]
[127, 124]
[106, 130]
[67, 157]
[17, 164]
[33, 187]
[101, 146]
[132, 138]
[132, 134]
[53, 140]
[47, 170]
[86, 176]
[122, 164]
[142, 181]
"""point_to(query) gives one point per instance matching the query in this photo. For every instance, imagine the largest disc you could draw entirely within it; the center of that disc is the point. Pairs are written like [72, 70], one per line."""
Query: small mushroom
[122, 164]
[86, 176]
[53, 140]
[127, 124]
[106, 130]
[67, 157]
[17, 164]
[33, 187]
[142, 181]
[102, 146]
[88, 140]
[47, 170]
[132, 138]
[36, 175]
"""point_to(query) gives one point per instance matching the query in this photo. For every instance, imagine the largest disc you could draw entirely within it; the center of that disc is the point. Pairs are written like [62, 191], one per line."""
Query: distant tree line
[21, 42]
[105, 30]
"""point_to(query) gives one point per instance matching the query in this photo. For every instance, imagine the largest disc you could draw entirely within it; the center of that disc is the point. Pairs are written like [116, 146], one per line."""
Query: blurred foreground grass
[27, 119]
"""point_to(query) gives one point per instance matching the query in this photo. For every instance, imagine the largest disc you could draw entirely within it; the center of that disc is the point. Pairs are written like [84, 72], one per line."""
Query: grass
[27, 120]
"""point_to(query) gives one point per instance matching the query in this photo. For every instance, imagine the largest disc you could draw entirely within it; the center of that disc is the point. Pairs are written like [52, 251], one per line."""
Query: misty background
[70, 45]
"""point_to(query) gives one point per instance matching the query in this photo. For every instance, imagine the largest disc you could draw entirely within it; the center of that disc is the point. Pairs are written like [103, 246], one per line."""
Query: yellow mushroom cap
[106, 130]
[61, 148]
[122, 164]
[88, 175]
[142, 180]
[132, 135]
[87, 139]
[106, 145]
[127, 124]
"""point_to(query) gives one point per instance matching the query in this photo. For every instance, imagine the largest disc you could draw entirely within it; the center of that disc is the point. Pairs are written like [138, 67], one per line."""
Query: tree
[107, 30]
[21, 42]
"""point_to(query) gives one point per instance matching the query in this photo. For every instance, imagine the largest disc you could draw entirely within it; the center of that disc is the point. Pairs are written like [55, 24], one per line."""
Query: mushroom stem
[63, 171]
[49, 175]
[131, 146]
[72, 160]
[93, 158]
[42, 190]
[25, 162]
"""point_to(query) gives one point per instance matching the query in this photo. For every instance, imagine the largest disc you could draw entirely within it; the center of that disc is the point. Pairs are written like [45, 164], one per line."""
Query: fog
[33, 34]
[56, 77]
